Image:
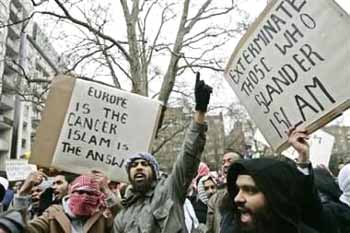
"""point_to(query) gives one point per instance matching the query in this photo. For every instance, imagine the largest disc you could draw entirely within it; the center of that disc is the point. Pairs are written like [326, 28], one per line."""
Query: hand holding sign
[101, 179]
[298, 139]
[202, 93]
[94, 127]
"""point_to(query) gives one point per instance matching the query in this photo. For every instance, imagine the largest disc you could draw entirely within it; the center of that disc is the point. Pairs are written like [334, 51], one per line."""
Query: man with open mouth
[154, 204]
[272, 196]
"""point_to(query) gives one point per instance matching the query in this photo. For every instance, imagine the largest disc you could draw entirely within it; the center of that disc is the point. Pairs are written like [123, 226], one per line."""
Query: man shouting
[155, 204]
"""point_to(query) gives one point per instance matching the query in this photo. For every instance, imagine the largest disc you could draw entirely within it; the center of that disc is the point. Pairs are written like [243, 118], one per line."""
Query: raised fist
[202, 93]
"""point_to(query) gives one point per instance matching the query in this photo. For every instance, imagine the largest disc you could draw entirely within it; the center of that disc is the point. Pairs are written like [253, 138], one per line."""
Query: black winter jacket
[290, 194]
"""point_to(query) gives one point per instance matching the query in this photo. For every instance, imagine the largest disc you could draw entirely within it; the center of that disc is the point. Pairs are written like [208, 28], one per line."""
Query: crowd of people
[265, 195]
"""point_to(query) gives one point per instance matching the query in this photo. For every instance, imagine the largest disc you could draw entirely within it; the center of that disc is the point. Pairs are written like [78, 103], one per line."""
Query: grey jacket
[161, 209]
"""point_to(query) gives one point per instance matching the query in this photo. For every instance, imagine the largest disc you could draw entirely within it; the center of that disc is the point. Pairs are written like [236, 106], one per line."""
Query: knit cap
[145, 156]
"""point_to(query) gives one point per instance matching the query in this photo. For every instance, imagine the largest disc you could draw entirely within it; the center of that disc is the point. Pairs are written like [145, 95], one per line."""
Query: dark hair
[68, 176]
[326, 184]
[2, 192]
[230, 150]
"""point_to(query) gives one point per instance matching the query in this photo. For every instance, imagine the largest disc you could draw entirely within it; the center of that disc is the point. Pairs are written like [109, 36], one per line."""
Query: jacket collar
[65, 223]
[132, 196]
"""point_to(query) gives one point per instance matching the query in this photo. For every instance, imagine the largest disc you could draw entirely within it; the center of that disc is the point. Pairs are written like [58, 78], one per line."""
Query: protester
[55, 193]
[30, 192]
[3, 187]
[191, 220]
[214, 213]
[344, 184]
[155, 204]
[6, 201]
[267, 193]
[192, 191]
[12, 222]
[114, 186]
[336, 215]
[203, 170]
[17, 186]
[60, 188]
[326, 185]
[228, 159]
[82, 209]
[206, 188]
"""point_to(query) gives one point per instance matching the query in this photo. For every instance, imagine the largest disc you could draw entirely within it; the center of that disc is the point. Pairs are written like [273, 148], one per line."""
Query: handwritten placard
[18, 169]
[102, 126]
[321, 145]
[292, 67]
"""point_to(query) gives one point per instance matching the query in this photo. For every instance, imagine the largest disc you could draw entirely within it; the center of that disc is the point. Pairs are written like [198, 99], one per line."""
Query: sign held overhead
[89, 126]
[292, 67]
[18, 169]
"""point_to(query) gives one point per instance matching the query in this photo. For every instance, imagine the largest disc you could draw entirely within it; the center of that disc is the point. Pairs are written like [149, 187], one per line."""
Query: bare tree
[132, 55]
[135, 43]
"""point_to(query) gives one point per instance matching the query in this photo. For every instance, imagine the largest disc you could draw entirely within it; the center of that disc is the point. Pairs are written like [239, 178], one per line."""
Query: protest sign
[321, 145]
[89, 126]
[260, 138]
[291, 67]
[18, 169]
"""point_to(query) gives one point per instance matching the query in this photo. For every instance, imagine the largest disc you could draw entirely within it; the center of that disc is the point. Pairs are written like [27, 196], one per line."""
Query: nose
[239, 198]
[139, 167]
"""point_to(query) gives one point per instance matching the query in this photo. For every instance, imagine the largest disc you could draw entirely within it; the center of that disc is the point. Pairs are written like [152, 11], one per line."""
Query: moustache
[241, 209]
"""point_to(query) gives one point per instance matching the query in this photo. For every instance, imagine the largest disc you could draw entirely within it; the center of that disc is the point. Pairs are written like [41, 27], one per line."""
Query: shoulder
[218, 196]
[53, 210]
[306, 229]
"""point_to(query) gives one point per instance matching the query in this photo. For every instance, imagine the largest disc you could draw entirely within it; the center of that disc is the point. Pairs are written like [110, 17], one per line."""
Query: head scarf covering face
[202, 194]
[203, 170]
[84, 204]
[344, 184]
[145, 156]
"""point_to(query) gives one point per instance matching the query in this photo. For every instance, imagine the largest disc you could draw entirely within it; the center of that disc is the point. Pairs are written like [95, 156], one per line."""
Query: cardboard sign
[260, 138]
[292, 67]
[89, 126]
[18, 169]
[321, 145]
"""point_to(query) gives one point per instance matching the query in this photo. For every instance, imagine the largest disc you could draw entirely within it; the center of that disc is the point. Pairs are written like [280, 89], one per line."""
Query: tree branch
[91, 29]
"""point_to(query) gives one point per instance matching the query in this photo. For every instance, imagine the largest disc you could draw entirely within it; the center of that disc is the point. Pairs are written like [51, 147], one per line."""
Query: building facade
[25, 53]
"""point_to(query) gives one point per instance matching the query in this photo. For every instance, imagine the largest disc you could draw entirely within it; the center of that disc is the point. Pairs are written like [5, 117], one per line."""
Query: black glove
[202, 93]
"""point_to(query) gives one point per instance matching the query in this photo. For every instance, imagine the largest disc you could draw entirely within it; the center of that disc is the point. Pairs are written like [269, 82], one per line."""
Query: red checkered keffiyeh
[85, 204]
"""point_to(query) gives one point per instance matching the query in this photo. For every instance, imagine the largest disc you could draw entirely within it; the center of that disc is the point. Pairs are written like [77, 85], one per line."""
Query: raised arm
[312, 211]
[298, 137]
[188, 160]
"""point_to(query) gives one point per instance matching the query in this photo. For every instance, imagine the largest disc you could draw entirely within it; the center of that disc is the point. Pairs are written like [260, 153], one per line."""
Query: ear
[154, 174]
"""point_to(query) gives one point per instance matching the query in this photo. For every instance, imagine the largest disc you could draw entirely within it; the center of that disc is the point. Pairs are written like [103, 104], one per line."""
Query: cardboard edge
[317, 124]
[341, 10]
[161, 104]
[252, 28]
[58, 98]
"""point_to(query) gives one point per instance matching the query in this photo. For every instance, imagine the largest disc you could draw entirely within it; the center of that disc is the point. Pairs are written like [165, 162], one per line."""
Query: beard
[263, 221]
[141, 186]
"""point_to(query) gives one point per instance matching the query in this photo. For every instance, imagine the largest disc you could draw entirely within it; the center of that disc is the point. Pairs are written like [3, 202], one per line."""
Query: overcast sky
[223, 92]
[345, 4]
